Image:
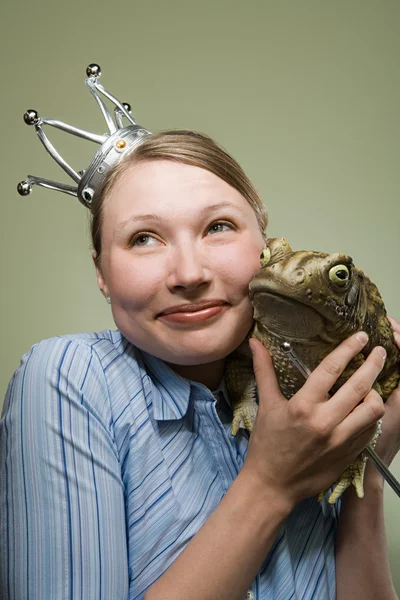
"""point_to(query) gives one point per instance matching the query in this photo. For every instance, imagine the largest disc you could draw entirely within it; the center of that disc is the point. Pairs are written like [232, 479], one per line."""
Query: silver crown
[113, 145]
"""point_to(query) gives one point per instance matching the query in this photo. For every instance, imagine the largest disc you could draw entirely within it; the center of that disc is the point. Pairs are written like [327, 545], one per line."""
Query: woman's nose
[187, 269]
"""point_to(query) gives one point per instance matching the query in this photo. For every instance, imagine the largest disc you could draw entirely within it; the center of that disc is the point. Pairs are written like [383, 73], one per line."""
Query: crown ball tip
[24, 188]
[93, 70]
[31, 117]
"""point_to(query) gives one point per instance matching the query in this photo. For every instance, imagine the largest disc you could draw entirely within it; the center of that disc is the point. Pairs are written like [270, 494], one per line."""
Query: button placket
[217, 440]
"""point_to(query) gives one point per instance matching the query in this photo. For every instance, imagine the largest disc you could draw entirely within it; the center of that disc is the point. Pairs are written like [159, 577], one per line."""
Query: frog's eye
[265, 257]
[339, 274]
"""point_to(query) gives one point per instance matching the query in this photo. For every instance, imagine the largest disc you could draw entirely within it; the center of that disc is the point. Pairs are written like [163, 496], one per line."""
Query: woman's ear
[100, 277]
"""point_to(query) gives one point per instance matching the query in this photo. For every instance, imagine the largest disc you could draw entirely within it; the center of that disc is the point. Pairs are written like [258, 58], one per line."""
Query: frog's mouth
[287, 318]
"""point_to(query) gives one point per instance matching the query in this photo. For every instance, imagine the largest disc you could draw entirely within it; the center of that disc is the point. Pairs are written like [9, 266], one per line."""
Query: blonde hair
[187, 147]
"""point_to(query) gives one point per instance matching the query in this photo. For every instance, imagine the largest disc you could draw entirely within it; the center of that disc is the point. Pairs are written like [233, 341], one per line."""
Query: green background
[304, 94]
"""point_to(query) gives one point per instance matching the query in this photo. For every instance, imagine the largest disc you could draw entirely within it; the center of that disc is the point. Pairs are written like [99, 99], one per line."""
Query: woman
[120, 478]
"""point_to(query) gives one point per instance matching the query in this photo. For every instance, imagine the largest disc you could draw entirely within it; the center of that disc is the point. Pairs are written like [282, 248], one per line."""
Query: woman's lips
[191, 313]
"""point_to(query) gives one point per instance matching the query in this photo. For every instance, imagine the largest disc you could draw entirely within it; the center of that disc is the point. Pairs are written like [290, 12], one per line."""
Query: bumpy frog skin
[314, 300]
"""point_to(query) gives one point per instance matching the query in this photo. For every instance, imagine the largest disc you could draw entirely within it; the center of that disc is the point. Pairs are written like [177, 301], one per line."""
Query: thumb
[267, 384]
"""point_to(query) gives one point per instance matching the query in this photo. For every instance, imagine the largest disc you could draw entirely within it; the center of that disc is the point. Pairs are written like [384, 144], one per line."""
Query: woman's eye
[143, 239]
[218, 227]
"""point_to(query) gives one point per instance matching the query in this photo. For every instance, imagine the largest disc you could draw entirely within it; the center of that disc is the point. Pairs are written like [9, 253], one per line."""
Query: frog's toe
[244, 416]
[237, 423]
[343, 483]
[358, 470]
[353, 475]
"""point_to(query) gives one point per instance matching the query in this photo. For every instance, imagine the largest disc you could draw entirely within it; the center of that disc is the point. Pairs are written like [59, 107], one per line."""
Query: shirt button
[249, 595]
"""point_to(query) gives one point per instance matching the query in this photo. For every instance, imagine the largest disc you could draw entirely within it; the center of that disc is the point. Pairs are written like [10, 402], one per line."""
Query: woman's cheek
[244, 258]
[136, 280]
[246, 268]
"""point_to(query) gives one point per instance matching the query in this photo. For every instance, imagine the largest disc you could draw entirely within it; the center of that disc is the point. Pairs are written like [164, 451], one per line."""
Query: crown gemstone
[120, 144]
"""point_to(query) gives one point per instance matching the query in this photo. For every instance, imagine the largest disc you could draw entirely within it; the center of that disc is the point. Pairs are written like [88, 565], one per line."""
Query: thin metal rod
[115, 100]
[57, 157]
[86, 135]
[52, 185]
[92, 85]
[118, 117]
[286, 347]
[383, 470]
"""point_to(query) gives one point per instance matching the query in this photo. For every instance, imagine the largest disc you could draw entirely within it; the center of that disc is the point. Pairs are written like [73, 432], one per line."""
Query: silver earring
[108, 299]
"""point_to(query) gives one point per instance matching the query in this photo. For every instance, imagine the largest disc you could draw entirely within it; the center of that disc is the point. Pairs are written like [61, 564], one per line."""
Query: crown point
[93, 70]
[24, 188]
[31, 117]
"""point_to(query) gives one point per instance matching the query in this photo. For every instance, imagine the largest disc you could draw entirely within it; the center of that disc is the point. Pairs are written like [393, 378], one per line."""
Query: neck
[209, 374]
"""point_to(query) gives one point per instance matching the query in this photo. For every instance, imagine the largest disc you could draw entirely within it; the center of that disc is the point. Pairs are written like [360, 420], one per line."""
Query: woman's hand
[396, 330]
[360, 572]
[300, 447]
[389, 442]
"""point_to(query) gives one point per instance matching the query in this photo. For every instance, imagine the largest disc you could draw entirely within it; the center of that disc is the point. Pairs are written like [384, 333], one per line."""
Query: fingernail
[362, 337]
[381, 351]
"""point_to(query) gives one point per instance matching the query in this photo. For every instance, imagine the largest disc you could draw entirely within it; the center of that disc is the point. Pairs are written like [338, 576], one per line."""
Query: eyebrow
[154, 217]
[125, 224]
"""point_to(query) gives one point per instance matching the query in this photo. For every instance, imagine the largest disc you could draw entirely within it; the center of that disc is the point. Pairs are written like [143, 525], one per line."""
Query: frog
[313, 300]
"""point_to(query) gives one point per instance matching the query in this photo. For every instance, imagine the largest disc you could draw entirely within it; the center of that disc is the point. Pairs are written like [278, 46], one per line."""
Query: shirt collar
[221, 393]
[171, 392]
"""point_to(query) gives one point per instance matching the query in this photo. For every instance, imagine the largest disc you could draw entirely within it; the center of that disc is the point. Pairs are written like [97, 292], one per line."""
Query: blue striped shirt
[109, 464]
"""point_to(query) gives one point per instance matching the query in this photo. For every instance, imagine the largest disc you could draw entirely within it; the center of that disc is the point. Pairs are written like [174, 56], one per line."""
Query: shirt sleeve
[62, 515]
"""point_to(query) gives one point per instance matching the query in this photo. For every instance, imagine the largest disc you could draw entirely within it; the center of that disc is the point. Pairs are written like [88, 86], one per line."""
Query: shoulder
[100, 342]
[86, 367]
[80, 350]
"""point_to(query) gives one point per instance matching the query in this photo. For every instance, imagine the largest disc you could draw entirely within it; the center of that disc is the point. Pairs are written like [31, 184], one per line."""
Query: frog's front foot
[353, 475]
[244, 415]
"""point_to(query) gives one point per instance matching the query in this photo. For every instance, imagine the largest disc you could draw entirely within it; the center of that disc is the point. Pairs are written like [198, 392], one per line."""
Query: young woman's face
[180, 247]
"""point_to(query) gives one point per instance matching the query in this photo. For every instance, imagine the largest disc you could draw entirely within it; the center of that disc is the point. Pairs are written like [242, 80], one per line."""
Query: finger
[364, 417]
[397, 339]
[395, 324]
[394, 399]
[396, 330]
[267, 383]
[391, 420]
[325, 375]
[358, 386]
[361, 441]
[389, 442]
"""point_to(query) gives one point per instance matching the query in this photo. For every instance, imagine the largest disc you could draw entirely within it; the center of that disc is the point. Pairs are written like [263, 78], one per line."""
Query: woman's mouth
[193, 313]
